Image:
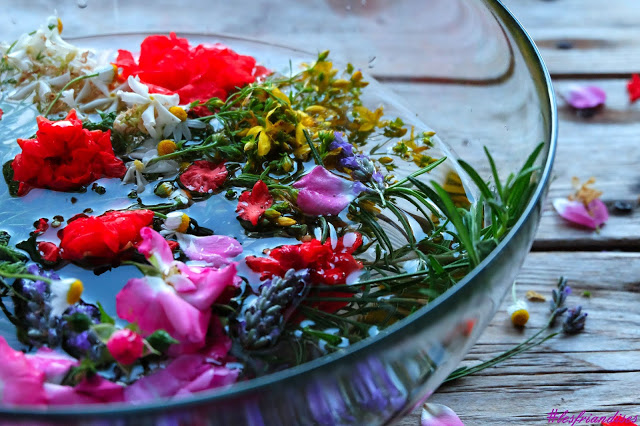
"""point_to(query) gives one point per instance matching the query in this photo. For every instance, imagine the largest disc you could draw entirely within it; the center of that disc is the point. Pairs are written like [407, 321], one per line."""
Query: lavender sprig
[265, 316]
[574, 323]
[558, 299]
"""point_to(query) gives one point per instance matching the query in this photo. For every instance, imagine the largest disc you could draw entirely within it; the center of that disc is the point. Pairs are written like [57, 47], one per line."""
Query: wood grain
[597, 371]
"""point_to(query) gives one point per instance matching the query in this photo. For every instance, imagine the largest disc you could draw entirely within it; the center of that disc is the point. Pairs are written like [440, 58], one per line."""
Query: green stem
[65, 87]
[314, 150]
[418, 173]
[31, 277]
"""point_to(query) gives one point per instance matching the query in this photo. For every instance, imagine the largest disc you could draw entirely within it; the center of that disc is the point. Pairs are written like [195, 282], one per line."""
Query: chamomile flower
[518, 310]
[182, 129]
[64, 293]
[154, 107]
[176, 222]
[135, 174]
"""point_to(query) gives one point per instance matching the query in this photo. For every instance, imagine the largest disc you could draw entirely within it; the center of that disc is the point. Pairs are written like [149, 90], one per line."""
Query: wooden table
[597, 371]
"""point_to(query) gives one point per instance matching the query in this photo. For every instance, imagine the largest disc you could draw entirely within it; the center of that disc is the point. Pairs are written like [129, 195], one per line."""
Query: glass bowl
[469, 70]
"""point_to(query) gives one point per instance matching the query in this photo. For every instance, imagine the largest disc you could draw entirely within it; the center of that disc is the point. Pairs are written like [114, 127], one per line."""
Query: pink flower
[323, 193]
[20, 382]
[179, 300]
[439, 415]
[92, 390]
[593, 215]
[583, 97]
[54, 365]
[183, 376]
[125, 346]
[216, 250]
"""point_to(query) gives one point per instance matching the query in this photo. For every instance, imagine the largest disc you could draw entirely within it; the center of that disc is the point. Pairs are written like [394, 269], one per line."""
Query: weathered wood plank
[596, 371]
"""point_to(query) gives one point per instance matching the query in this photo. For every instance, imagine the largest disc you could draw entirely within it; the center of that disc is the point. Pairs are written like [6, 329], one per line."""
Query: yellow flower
[285, 221]
[278, 94]
[166, 146]
[265, 134]
[368, 119]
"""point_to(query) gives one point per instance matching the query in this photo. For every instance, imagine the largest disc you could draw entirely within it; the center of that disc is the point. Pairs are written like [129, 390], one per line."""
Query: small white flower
[134, 174]
[182, 129]
[176, 222]
[519, 310]
[64, 293]
[156, 114]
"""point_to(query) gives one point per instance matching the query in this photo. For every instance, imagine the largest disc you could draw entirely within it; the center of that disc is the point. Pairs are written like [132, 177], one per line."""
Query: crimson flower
[103, 238]
[1, 112]
[49, 251]
[633, 87]
[252, 204]
[204, 176]
[125, 346]
[65, 157]
[194, 73]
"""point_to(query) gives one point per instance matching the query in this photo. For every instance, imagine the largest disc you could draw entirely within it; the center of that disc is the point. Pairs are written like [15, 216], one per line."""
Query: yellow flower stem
[65, 87]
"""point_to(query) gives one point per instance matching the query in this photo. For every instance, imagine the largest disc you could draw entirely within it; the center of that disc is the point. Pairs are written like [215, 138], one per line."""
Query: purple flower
[584, 97]
[339, 142]
[323, 193]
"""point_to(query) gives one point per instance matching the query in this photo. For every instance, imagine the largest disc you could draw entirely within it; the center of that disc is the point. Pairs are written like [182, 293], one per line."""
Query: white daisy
[175, 222]
[135, 174]
[64, 293]
[155, 107]
[182, 129]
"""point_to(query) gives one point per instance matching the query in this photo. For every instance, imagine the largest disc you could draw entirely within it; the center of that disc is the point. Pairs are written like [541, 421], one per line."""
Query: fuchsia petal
[581, 97]
[216, 250]
[439, 415]
[183, 376]
[94, 390]
[210, 284]
[574, 211]
[322, 192]
[54, 365]
[20, 382]
[154, 244]
[154, 305]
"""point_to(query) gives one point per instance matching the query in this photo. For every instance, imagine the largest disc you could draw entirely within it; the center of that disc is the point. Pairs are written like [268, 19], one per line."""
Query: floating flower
[182, 129]
[359, 166]
[103, 238]
[178, 300]
[135, 175]
[585, 97]
[20, 383]
[64, 293]
[438, 415]
[633, 88]
[215, 250]
[125, 346]
[194, 73]
[176, 222]
[48, 251]
[326, 263]
[584, 207]
[323, 193]
[368, 119]
[204, 176]
[153, 108]
[1, 113]
[252, 204]
[53, 364]
[64, 156]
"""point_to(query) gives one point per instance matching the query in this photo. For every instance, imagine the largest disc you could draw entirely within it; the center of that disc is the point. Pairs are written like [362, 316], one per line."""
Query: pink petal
[210, 283]
[153, 244]
[20, 382]
[184, 375]
[94, 390]
[154, 305]
[322, 192]
[216, 250]
[54, 365]
[581, 97]
[574, 211]
[439, 415]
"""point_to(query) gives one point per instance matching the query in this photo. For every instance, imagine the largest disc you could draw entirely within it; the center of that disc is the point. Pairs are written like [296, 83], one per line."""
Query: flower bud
[125, 346]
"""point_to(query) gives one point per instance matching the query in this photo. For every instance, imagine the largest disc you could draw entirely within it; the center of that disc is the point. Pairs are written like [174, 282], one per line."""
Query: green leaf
[160, 340]
[104, 331]
[494, 171]
[480, 183]
[329, 338]
[75, 375]
[105, 318]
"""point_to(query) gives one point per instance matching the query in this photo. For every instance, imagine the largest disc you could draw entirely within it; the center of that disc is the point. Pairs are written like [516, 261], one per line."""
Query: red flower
[633, 87]
[41, 226]
[103, 238]
[49, 251]
[326, 265]
[64, 156]
[1, 112]
[204, 176]
[194, 73]
[125, 346]
[252, 204]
